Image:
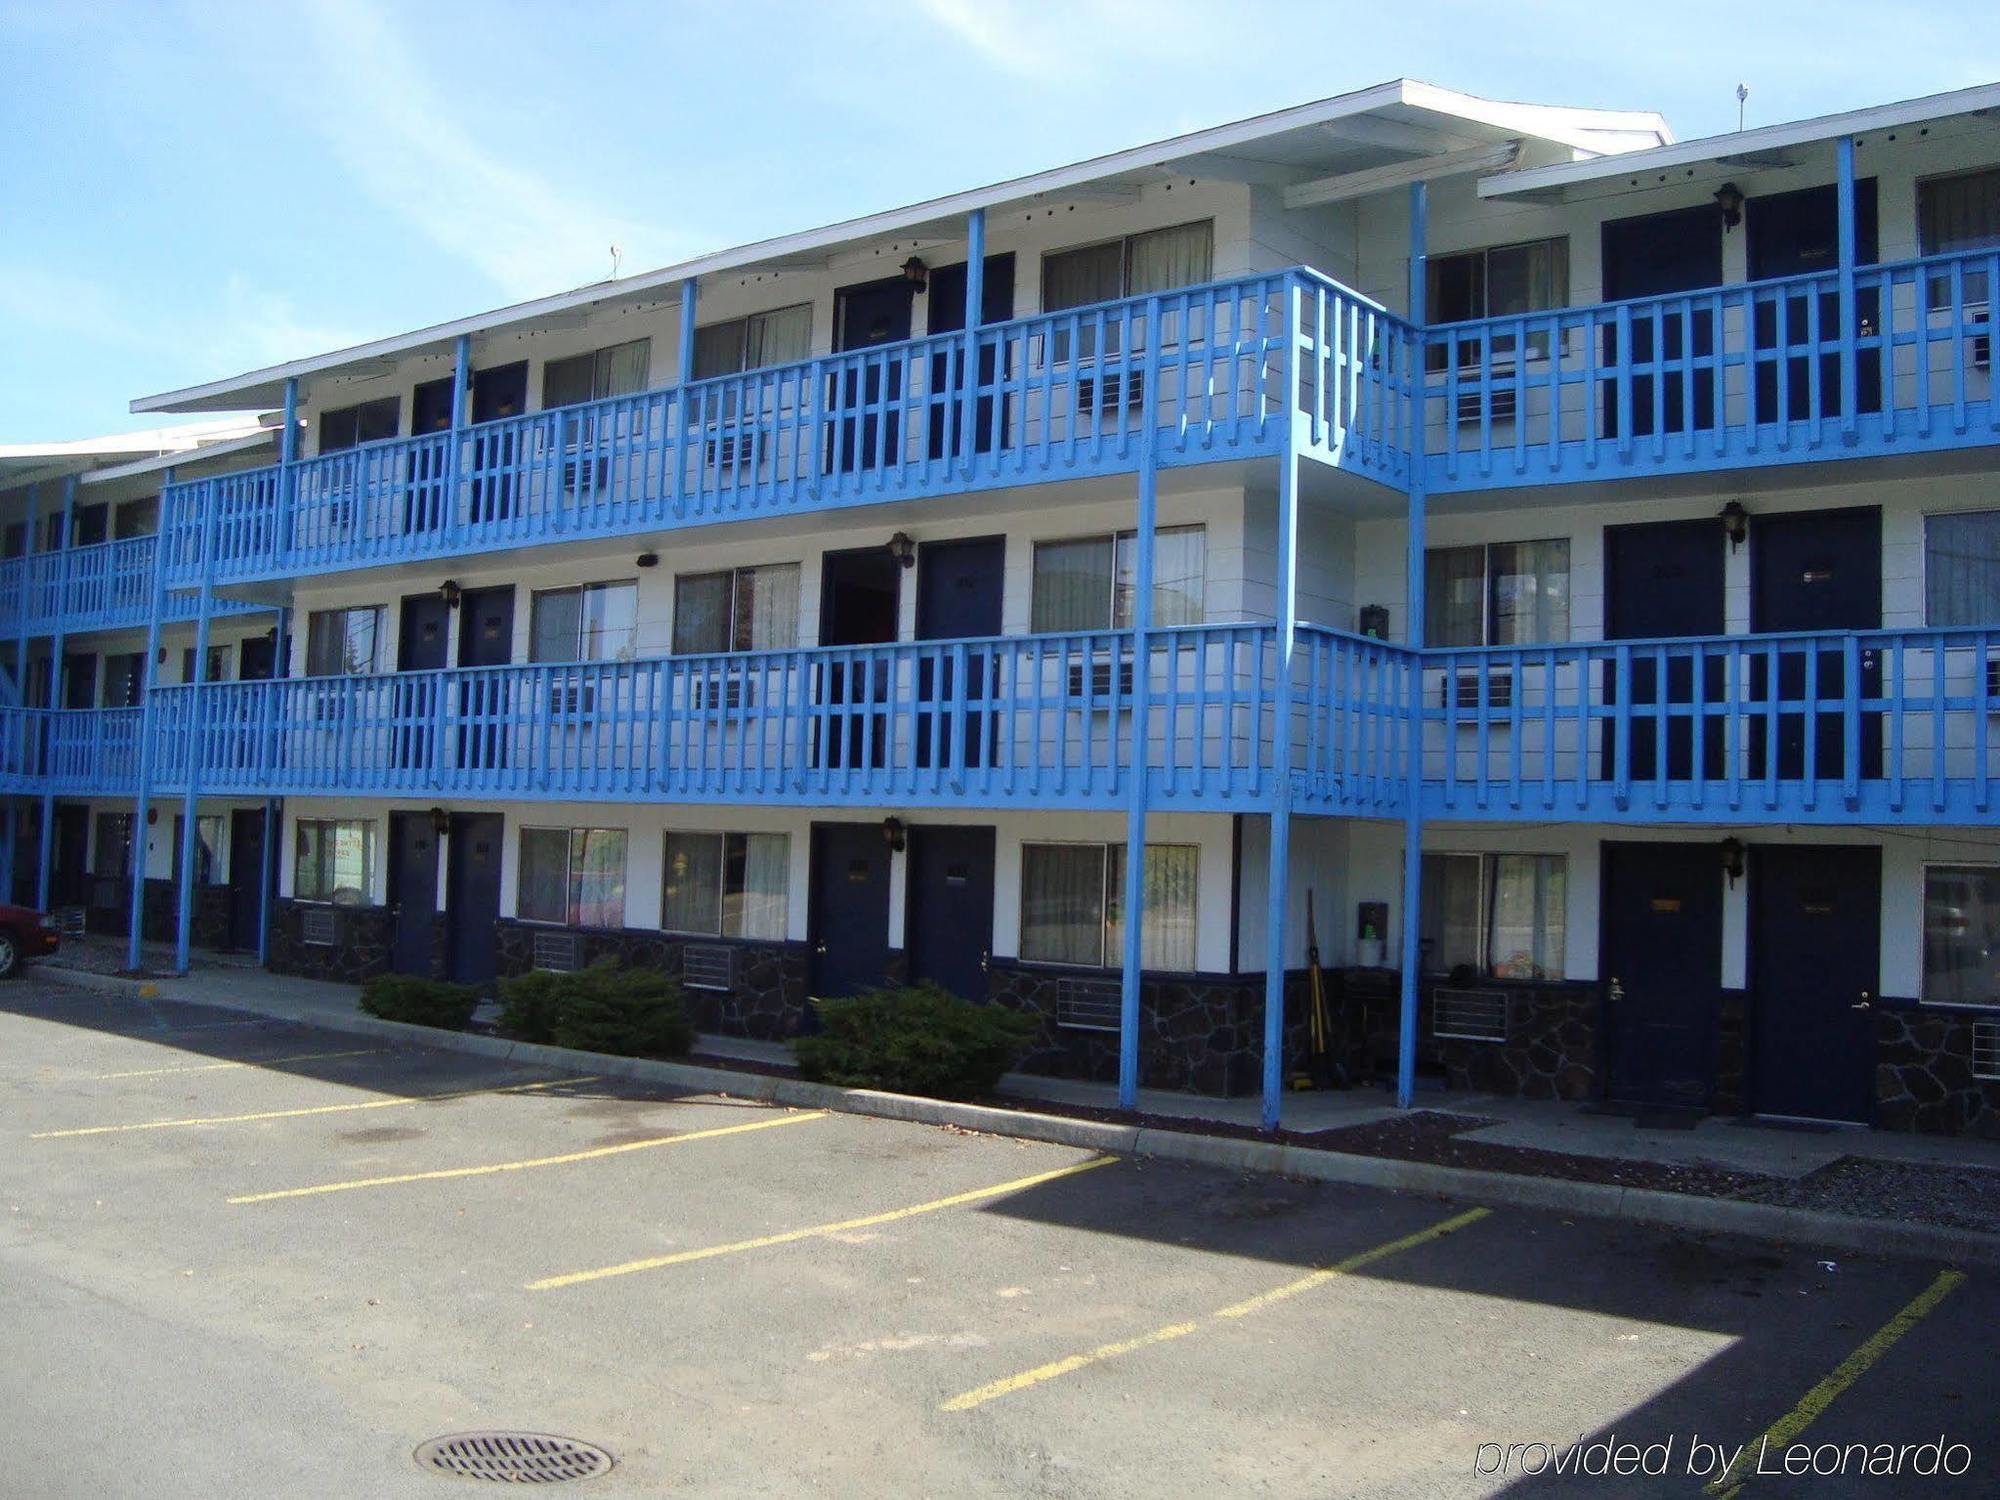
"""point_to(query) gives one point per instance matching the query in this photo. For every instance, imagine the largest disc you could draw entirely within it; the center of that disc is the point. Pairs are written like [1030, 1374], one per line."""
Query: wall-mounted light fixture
[1729, 200]
[450, 592]
[916, 273]
[894, 835]
[1732, 860]
[903, 549]
[647, 560]
[440, 821]
[1735, 524]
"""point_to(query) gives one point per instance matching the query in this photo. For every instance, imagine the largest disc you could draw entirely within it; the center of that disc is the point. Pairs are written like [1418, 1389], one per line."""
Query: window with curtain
[725, 884]
[1959, 212]
[737, 609]
[1505, 594]
[1073, 905]
[207, 840]
[618, 370]
[335, 861]
[1501, 915]
[218, 664]
[365, 422]
[342, 642]
[1496, 282]
[1089, 583]
[1962, 934]
[1962, 569]
[598, 622]
[1160, 260]
[572, 877]
[782, 336]
[111, 853]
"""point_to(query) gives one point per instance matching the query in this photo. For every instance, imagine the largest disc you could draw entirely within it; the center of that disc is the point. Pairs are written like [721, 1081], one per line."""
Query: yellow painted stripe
[522, 1166]
[293, 1114]
[1792, 1423]
[1353, 1263]
[1056, 1369]
[841, 1226]
[255, 1062]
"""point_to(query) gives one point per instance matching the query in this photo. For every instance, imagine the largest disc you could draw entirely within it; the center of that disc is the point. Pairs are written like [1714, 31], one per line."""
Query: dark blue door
[497, 394]
[1815, 951]
[422, 646]
[1673, 385]
[413, 885]
[472, 896]
[959, 585]
[948, 908]
[1798, 234]
[946, 305]
[849, 920]
[860, 597]
[485, 639]
[426, 506]
[1662, 965]
[246, 875]
[1663, 580]
[868, 391]
[1815, 571]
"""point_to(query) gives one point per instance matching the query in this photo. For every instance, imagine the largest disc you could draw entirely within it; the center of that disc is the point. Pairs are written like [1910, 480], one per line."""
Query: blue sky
[199, 189]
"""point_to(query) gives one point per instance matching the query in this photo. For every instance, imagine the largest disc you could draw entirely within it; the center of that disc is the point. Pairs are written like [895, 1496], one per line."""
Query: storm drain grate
[513, 1457]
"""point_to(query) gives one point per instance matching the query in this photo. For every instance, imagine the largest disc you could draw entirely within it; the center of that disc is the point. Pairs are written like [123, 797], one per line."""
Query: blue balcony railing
[1039, 720]
[1851, 726]
[1782, 371]
[69, 752]
[1218, 371]
[105, 586]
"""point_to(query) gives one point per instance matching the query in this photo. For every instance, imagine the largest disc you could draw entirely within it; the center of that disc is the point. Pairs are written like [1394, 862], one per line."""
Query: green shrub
[918, 1039]
[605, 1008]
[421, 1002]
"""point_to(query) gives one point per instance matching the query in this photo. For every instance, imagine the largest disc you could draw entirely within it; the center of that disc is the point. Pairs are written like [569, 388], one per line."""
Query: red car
[24, 934]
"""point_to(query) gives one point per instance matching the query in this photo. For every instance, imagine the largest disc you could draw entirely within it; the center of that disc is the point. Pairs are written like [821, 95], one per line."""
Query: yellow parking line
[258, 1062]
[841, 1226]
[293, 1114]
[521, 1166]
[1056, 1369]
[1781, 1432]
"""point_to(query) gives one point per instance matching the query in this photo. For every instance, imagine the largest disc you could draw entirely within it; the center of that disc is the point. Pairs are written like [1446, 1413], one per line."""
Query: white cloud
[1064, 43]
[366, 93]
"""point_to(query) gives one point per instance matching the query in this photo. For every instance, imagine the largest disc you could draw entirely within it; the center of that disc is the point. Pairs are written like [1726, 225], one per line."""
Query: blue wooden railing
[1037, 720]
[69, 752]
[1058, 395]
[1842, 727]
[1755, 373]
[105, 586]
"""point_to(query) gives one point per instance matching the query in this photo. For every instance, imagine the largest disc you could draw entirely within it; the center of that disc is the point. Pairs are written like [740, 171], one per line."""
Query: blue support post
[45, 868]
[191, 790]
[1413, 632]
[461, 385]
[1137, 788]
[1278, 880]
[975, 301]
[689, 297]
[1849, 328]
[288, 454]
[150, 676]
[281, 667]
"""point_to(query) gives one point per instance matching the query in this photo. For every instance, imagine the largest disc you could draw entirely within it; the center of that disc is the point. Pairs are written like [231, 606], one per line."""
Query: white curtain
[782, 337]
[597, 877]
[1164, 260]
[701, 613]
[1525, 935]
[1455, 596]
[767, 607]
[610, 624]
[1962, 569]
[693, 883]
[544, 884]
[1448, 920]
[760, 865]
[1530, 592]
[1179, 576]
[1062, 903]
[1073, 585]
[1077, 278]
[1167, 925]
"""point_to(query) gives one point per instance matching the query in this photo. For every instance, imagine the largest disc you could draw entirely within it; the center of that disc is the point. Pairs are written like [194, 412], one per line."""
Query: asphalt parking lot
[248, 1258]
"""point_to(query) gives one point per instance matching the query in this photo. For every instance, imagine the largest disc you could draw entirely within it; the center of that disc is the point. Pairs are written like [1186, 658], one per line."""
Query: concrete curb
[1765, 1221]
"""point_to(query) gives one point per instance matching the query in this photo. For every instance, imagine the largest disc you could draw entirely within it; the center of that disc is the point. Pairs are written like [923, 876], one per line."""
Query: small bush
[605, 1008]
[918, 1039]
[420, 1002]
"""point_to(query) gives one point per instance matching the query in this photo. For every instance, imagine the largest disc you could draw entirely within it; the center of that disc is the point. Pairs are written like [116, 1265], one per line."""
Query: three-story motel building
[1568, 558]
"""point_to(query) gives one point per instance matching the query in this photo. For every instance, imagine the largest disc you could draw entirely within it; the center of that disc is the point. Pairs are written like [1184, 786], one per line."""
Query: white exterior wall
[645, 826]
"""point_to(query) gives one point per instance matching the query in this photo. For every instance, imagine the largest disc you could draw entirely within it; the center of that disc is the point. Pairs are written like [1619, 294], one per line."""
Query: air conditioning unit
[1986, 1049]
[1503, 401]
[572, 699]
[557, 952]
[1099, 681]
[1088, 1004]
[318, 927]
[1110, 392]
[708, 966]
[1460, 688]
[1993, 677]
[1469, 1015]
[731, 692]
